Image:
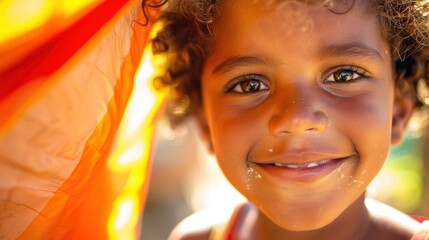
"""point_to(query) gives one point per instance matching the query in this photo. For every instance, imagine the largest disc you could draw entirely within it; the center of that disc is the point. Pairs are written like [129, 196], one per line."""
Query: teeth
[295, 166]
[312, 165]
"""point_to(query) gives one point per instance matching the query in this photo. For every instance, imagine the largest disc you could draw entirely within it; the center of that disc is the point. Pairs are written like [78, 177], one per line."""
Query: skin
[298, 113]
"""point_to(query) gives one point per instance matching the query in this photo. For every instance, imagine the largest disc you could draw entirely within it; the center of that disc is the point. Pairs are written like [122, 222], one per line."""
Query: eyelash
[246, 78]
[361, 73]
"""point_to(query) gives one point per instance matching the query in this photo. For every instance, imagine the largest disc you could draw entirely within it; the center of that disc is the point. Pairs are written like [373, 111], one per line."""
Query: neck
[354, 223]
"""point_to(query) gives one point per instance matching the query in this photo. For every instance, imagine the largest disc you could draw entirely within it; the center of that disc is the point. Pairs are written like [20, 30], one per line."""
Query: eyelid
[234, 82]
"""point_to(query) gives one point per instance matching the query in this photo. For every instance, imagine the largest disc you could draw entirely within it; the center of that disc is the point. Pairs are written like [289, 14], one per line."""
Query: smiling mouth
[303, 166]
[302, 172]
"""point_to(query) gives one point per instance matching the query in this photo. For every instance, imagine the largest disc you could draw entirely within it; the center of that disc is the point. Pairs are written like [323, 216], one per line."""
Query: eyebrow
[237, 61]
[353, 49]
[346, 50]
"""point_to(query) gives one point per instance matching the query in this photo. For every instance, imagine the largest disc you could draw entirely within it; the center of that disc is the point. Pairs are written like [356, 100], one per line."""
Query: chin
[303, 218]
[303, 223]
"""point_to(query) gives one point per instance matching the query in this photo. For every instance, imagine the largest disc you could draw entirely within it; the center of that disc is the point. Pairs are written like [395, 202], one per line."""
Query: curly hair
[187, 34]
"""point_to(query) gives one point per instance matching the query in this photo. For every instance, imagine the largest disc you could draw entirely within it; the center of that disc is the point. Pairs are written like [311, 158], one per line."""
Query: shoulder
[392, 222]
[423, 233]
[195, 227]
[202, 225]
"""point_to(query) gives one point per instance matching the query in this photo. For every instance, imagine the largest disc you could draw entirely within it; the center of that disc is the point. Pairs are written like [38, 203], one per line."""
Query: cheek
[367, 123]
[233, 136]
[367, 118]
[232, 128]
[233, 133]
[231, 143]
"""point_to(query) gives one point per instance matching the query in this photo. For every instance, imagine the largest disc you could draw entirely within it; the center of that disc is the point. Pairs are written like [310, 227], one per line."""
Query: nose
[298, 117]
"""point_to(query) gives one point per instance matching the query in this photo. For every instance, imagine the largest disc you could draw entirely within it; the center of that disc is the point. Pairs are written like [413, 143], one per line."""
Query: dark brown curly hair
[186, 38]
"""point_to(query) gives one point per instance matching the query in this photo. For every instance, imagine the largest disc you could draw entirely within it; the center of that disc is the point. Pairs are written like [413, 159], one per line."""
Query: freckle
[363, 172]
[342, 175]
[270, 150]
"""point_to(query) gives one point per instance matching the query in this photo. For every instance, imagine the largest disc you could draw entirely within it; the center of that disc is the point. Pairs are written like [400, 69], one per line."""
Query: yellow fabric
[27, 24]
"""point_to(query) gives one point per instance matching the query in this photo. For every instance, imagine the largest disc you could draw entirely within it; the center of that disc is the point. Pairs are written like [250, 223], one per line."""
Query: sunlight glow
[122, 227]
[133, 154]
[19, 17]
[141, 103]
[124, 214]
[129, 159]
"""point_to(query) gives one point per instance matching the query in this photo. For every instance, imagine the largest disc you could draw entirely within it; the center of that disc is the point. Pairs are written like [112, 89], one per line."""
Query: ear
[403, 108]
[204, 130]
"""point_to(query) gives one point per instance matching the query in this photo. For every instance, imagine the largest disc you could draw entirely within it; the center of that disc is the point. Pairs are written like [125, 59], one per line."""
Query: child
[299, 101]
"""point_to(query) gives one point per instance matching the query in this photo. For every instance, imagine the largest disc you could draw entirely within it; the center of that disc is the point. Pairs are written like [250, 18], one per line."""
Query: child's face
[299, 104]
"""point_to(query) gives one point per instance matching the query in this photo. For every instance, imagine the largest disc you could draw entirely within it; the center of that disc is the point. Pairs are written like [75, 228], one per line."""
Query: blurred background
[186, 179]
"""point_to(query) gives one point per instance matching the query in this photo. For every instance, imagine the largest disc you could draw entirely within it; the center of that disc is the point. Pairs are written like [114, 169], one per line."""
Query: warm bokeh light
[140, 104]
[122, 225]
[130, 154]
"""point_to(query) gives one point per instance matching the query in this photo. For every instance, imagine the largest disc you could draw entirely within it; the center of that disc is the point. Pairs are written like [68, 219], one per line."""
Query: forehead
[248, 22]
[336, 6]
[243, 8]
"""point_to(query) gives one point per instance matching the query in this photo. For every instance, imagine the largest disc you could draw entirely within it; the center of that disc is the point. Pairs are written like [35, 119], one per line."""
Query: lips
[303, 168]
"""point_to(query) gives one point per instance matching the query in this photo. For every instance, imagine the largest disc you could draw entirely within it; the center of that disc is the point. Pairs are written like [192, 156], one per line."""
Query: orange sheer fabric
[59, 126]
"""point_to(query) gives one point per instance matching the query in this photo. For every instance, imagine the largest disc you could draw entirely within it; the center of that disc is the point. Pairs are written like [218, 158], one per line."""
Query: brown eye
[344, 75]
[249, 84]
